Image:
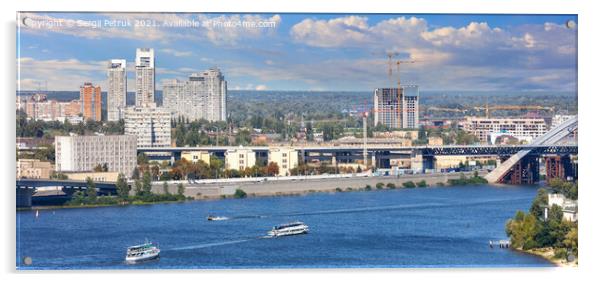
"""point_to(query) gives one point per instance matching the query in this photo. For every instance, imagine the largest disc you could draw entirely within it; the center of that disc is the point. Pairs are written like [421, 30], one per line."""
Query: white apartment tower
[202, 96]
[117, 91]
[145, 77]
[151, 125]
[397, 107]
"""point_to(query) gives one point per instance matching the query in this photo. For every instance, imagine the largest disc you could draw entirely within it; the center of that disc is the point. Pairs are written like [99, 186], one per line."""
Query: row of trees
[531, 230]
[142, 193]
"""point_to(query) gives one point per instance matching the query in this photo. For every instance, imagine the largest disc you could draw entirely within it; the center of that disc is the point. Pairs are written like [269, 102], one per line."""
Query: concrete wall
[284, 187]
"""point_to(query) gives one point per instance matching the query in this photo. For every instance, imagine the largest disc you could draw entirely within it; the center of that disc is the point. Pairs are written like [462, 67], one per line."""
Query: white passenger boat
[139, 253]
[293, 228]
[216, 218]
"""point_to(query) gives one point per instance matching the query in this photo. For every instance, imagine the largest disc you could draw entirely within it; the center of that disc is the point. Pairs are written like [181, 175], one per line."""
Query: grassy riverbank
[544, 230]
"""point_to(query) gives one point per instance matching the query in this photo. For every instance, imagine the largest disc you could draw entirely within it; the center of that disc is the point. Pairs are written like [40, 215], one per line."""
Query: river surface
[434, 227]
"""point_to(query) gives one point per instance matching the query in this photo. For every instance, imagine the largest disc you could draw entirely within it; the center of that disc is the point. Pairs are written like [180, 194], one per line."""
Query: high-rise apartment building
[397, 107]
[116, 94]
[151, 125]
[91, 102]
[83, 153]
[202, 96]
[145, 77]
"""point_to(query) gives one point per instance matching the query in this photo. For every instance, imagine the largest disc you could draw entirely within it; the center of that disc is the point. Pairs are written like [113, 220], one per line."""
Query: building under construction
[397, 107]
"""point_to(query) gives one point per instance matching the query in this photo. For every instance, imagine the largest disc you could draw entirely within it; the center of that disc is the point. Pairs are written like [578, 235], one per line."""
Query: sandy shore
[548, 253]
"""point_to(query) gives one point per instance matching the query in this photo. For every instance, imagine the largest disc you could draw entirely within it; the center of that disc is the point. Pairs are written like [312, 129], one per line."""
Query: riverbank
[297, 187]
[548, 254]
[301, 186]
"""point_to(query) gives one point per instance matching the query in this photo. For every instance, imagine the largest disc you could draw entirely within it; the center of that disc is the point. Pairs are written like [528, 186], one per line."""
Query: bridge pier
[24, 197]
[559, 167]
[525, 171]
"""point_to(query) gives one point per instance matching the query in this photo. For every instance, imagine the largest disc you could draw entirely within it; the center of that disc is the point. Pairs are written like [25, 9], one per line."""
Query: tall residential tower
[145, 77]
[397, 107]
[91, 102]
[116, 94]
[202, 96]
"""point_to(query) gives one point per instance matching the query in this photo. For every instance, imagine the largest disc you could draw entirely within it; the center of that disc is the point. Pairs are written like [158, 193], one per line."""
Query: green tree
[123, 189]
[91, 189]
[146, 183]
[539, 203]
[138, 187]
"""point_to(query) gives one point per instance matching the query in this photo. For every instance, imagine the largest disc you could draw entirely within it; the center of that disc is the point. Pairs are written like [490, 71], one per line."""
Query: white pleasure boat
[146, 251]
[293, 228]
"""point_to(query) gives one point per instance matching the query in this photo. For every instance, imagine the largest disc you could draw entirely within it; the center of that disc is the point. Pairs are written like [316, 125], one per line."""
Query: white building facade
[117, 89]
[522, 128]
[202, 96]
[151, 125]
[240, 158]
[83, 153]
[286, 159]
[145, 77]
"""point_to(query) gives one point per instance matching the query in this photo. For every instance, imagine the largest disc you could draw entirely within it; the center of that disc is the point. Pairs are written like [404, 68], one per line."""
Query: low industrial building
[34, 169]
[196, 156]
[103, 176]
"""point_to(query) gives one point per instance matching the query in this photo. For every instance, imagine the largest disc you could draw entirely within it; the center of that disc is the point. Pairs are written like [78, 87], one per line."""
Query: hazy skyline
[306, 51]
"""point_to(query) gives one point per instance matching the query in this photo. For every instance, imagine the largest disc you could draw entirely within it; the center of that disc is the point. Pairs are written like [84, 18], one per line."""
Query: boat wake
[209, 245]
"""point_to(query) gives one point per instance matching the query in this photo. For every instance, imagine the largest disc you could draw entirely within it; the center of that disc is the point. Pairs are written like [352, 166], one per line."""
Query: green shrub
[409, 184]
[391, 185]
[368, 188]
[239, 194]
[380, 185]
[349, 189]
[421, 184]
[338, 189]
[560, 253]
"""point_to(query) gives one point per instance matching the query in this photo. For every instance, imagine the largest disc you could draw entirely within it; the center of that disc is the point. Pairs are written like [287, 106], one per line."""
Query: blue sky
[307, 51]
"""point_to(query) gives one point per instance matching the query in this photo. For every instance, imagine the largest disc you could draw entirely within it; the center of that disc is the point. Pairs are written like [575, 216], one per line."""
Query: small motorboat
[293, 228]
[140, 253]
[216, 218]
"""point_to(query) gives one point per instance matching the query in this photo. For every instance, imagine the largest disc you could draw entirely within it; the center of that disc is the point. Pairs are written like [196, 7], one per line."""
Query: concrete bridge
[27, 189]
[519, 166]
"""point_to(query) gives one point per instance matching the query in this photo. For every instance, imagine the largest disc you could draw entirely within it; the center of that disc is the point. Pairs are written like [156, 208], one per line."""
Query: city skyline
[308, 52]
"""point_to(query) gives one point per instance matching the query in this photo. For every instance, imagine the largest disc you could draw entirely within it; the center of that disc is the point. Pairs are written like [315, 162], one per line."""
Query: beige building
[435, 141]
[109, 176]
[195, 156]
[522, 128]
[286, 159]
[83, 153]
[33, 169]
[239, 158]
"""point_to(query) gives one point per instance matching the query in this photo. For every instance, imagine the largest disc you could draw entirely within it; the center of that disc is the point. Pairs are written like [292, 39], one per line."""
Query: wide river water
[434, 227]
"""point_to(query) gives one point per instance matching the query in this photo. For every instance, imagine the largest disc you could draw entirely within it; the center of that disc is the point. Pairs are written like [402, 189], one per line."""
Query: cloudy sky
[305, 51]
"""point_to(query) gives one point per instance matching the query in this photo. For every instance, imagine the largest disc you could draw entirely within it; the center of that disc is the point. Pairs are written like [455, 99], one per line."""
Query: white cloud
[261, 87]
[176, 53]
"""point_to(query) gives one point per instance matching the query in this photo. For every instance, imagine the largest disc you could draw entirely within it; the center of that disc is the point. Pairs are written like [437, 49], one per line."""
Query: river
[433, 227]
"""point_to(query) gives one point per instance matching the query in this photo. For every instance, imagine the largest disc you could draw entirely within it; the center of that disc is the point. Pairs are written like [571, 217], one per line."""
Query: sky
[315, 52]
